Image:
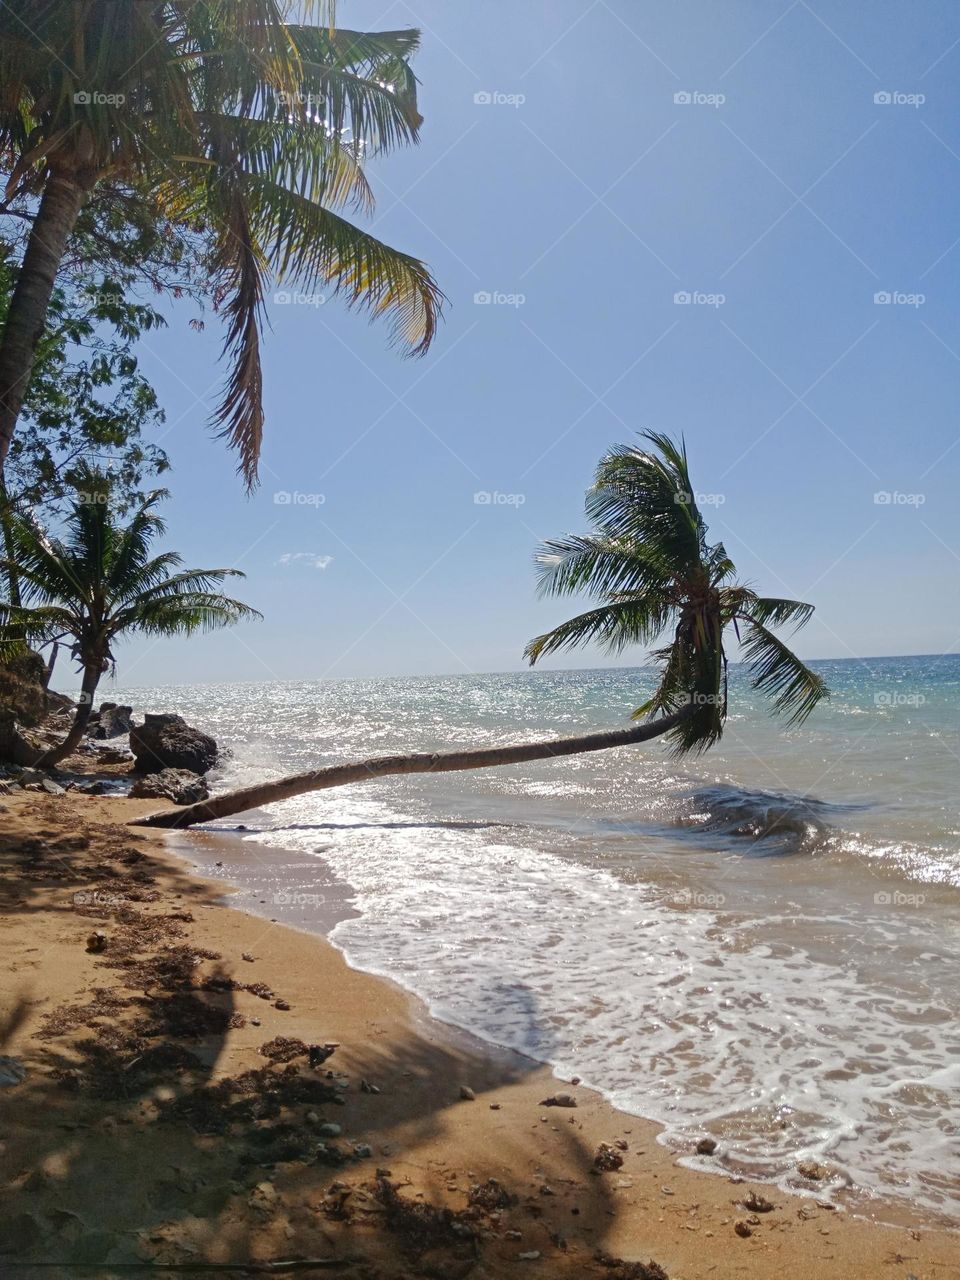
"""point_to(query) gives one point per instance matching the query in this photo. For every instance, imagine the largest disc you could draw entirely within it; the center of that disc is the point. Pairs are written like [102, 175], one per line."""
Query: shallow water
[763, 942]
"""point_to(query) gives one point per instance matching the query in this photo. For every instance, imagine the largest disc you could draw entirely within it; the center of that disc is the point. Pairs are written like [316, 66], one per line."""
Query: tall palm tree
[99, 582]
[649, 563]
[228, 119]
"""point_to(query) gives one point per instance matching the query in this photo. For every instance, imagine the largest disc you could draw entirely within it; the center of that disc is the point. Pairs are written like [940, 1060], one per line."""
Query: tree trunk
[91, 678]
[60, 206]
[339, 775]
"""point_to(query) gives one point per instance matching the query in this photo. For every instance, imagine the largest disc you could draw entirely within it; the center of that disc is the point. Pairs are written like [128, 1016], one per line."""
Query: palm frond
[770, 611]
[776, 670]
[628, 620]
[598, 566]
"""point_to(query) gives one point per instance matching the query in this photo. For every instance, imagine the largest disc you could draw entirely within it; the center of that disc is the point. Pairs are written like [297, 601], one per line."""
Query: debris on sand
[491, 1195]
[607, 1159]
[283, 1049]
[559, 1100]
[742, 1229]
[757, 1203]
[422, 1226]
[467, 1094]
[621, 1270]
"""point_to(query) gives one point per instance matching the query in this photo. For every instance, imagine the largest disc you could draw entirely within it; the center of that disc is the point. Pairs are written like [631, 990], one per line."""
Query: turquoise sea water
[762, 942]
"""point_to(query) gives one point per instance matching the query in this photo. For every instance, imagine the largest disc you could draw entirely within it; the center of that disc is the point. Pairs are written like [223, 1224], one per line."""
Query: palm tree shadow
[137, 1133]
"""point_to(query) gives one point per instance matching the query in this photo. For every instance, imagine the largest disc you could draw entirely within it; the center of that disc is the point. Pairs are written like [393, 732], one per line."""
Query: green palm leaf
[777, 671]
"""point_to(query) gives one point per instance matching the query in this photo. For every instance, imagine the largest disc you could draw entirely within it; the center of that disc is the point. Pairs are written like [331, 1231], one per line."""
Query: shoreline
[436, 1143]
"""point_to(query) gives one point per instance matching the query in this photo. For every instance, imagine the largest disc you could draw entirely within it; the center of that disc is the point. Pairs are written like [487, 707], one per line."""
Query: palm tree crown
[230, 119]
[649, 562]
[99, 582]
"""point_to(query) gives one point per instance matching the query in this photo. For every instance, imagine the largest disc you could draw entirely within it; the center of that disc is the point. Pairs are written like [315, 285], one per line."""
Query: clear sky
[778, 190]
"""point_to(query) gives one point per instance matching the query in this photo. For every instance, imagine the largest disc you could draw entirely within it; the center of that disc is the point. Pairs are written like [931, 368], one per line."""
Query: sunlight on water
[763, 942]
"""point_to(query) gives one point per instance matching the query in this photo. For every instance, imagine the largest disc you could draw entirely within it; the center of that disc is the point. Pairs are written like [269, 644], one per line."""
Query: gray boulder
[179, 785]
[113, 721]
[166, 741]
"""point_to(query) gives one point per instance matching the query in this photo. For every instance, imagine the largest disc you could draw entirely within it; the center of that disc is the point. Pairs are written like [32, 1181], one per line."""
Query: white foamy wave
[694, 1018]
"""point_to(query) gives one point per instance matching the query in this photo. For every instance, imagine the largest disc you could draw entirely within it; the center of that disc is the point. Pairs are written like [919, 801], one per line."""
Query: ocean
[761, 943]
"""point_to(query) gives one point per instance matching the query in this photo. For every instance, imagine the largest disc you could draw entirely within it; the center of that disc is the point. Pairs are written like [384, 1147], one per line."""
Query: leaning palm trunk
[56, 218]
[81, 717]
[340, 775]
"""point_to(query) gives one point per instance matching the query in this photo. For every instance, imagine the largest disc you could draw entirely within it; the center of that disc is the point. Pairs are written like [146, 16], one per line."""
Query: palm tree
[99, 582]
[649, 563]
[229, 120]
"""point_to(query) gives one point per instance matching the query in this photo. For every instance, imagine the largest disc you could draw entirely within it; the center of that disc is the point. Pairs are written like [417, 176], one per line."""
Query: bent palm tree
[230, 120]
[100, 583]
[649, 563]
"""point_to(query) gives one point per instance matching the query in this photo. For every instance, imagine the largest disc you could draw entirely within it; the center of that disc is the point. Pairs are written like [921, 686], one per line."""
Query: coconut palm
[225, 118]
[99, 582]
[650, 565]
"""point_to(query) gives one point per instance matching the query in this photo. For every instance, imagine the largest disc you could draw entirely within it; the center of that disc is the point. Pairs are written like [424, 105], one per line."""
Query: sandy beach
[169, 1112]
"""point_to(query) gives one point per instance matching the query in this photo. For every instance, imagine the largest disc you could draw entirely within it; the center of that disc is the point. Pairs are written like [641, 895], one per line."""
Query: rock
[367, 1087]
[810, 1169]
[52, 788]
[32, 777]
[246, 955]
[167, 742]
[467, 1094]
[742, 1229]
[263, 1197]
[95, 789]
[559, 1100]
[330, 1130]
[319, 1053]
[114, 755]
[282, 1005]
[531, 1256]
[179, 785]
[113, 721]
[312, 1117]
[17, 744]
[362, 1150]
[706, 1146]
[97, 942]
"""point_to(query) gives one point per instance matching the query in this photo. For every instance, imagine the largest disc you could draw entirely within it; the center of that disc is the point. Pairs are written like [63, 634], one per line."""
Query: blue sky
[777, 190]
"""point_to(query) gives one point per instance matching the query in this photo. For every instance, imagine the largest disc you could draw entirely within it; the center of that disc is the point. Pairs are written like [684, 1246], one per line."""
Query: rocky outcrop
[179, 785]
[167, 742]
[22, 686]
[17, 745]
[113, 720]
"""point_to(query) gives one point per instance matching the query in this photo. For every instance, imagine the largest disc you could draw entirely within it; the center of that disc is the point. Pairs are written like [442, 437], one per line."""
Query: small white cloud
[306, 557]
